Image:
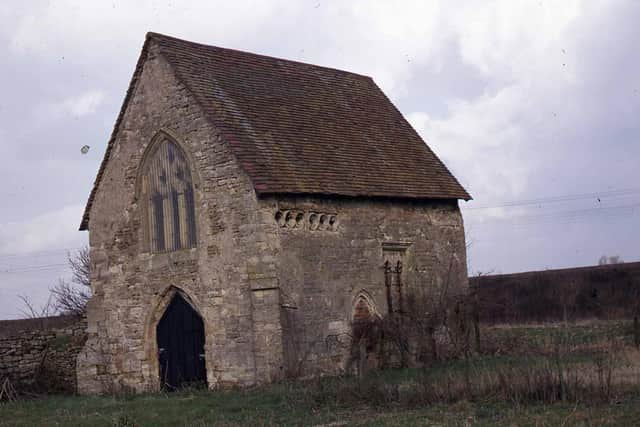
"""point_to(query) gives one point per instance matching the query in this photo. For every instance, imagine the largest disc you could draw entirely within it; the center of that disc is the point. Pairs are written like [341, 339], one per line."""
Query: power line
[32, 265]
[40, 265]
[18, 273]
[570, 216]
[45, 270]
[33, 268]
[586, 211]
[38, 253]
[559, 199]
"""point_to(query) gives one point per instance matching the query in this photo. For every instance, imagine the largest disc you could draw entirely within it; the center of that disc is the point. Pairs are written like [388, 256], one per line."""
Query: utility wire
[14, 273]
[33, 268]
[597, 210]
[559, 199]
[572, 216]
[38, 253]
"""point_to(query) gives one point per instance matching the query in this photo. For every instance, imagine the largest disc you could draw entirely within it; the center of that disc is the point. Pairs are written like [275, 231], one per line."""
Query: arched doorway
[180, 336]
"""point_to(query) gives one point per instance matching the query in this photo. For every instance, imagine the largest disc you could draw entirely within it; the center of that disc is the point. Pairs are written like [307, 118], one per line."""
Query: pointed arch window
[168, 199]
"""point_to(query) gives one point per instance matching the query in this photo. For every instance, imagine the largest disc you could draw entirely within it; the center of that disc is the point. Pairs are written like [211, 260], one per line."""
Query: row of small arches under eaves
[312, 221]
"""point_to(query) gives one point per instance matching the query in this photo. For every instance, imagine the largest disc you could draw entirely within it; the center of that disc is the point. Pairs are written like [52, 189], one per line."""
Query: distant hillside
[605, 291]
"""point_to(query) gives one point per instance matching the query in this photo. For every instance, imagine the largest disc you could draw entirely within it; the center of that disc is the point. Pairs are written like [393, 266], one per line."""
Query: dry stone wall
[42, 359]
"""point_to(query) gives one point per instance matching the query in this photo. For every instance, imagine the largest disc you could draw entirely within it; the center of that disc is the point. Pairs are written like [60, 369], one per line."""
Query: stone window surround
[143, 234]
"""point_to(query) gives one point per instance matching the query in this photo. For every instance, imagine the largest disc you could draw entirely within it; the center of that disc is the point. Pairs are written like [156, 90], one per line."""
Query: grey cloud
[563, 129]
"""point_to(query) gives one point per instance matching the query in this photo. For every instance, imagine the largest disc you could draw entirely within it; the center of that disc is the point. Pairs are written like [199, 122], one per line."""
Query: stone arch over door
[161, 305]
[180, 337]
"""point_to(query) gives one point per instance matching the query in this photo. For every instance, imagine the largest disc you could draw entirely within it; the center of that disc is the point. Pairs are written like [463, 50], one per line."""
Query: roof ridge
[155, 35]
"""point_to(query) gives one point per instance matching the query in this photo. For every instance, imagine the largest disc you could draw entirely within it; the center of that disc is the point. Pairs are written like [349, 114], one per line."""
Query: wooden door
[180, 335]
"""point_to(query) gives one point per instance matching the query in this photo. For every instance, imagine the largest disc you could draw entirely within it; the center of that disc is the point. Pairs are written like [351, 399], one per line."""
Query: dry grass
[577, 374]
[519, 364]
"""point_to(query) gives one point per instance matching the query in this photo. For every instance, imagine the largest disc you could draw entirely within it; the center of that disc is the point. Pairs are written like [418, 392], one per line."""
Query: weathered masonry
[39, 354]
[247, 212]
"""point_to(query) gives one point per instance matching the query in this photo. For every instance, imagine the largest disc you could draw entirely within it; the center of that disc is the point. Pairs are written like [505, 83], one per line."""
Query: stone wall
[332, 251]
[15, 326]
[41, 358]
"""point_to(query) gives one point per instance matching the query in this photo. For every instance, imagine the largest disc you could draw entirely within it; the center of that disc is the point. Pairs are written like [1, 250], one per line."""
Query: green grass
[625, 413]
[439, 370]
[468, 414]
[349, 402]
[581, 333]
[270, 407]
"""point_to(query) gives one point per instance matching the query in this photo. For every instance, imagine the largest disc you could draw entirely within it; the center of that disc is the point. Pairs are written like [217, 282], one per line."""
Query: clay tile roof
[298, 128]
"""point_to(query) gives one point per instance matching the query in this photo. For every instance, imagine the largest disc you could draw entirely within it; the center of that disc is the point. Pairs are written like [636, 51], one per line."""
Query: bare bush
[72, 297]
[66, 297]
[41, 313]
[7, 391]
[546, 380]
[605, 260]
[428, 324]
[80, 264]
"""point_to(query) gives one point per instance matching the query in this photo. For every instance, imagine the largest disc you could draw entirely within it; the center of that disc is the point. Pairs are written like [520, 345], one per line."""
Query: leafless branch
[30, 311]
[80, 267]
[70, 298]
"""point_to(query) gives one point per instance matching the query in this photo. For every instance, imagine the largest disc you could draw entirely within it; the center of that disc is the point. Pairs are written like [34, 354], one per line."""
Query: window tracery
[168, 198]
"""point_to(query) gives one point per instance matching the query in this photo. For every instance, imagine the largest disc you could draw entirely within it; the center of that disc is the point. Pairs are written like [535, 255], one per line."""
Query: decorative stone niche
[312, 221]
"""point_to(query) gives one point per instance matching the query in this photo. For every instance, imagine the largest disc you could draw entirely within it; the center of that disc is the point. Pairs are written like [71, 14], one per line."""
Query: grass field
[523, 377]
[268, 408]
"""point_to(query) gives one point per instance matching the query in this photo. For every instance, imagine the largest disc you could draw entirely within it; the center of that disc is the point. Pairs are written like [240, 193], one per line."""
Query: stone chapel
[245, 213]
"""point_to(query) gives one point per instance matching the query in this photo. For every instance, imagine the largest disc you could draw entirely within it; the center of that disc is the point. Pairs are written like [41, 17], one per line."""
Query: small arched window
[166, 192]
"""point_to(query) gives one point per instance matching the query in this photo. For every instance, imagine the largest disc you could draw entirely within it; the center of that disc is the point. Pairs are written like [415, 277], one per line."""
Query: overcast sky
[524, 101]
